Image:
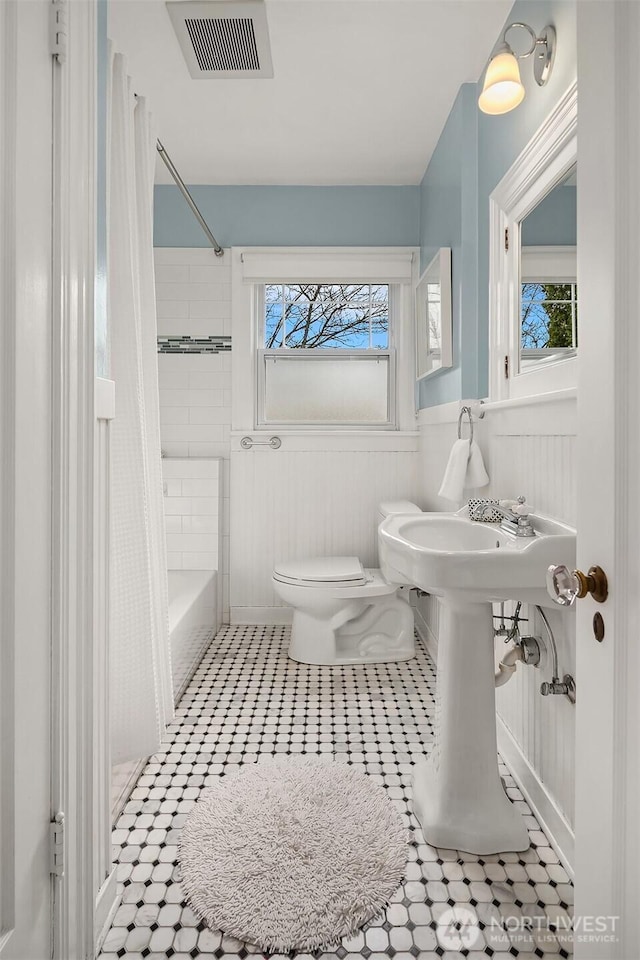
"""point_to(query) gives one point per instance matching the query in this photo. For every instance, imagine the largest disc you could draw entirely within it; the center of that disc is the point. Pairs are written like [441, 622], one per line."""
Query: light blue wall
[290, 215]
[448, 216]
[554, 221]
[473, 163]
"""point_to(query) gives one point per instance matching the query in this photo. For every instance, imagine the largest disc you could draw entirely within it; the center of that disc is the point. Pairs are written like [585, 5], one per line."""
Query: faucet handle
[521, 508]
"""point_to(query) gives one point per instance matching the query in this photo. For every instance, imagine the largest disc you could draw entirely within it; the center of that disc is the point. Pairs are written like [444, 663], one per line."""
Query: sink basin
[443, 552]
[458, 796]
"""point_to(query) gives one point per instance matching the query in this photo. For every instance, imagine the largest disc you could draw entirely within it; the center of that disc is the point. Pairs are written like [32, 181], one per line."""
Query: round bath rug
[292, 855]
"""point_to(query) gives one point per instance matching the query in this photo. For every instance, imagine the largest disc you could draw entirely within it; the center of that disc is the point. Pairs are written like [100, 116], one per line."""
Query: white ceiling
[361, 91]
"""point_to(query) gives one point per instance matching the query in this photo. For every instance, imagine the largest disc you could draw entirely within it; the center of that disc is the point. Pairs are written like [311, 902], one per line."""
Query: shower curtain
[141, 688]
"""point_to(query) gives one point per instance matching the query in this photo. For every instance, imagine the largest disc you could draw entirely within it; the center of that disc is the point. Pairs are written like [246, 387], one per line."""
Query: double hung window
[326, 354]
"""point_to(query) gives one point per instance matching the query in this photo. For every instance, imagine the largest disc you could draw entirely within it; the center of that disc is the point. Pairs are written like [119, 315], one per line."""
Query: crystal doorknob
[562, 585]
[566, 586]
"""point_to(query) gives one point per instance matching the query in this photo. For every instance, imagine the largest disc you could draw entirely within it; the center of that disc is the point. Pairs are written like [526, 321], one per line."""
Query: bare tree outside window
[549, 316]
[326, 315]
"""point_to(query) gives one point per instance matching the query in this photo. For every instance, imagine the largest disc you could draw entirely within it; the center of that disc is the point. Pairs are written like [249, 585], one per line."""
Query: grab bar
[247, 442]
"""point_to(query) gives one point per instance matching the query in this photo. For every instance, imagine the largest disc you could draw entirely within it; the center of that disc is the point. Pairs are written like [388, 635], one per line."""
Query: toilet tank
[389, 507]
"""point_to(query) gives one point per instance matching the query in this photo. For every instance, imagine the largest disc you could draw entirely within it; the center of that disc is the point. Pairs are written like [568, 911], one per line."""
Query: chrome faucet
[518, 522]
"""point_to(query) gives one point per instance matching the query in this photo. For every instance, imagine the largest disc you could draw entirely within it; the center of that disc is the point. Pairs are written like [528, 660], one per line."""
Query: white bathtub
[192, 621]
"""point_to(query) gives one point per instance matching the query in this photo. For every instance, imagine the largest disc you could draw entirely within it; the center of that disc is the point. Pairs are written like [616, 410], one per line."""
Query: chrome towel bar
[467, 411]
[247, 442]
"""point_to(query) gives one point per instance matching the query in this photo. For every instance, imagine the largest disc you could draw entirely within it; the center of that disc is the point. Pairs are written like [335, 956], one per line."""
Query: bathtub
[192, 622]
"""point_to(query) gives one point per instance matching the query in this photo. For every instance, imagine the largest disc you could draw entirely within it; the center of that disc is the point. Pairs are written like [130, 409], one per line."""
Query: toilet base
[378, 631]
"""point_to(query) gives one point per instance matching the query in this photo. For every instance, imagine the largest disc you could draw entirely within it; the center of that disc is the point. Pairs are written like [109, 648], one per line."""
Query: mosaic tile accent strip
[248, 701]
[217, 344]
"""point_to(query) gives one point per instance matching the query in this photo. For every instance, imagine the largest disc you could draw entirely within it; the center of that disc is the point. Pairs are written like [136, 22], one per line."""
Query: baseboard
[258, 616]
[542, 804]
[107, 903]
[426, 634]
[118, 804]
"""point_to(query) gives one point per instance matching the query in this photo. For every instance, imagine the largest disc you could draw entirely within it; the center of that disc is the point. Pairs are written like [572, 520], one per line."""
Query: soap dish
[477, 513]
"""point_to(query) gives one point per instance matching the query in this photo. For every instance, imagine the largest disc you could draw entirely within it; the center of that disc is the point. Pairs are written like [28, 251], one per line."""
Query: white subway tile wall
[193, 295]
[192, 495]
[193, 515]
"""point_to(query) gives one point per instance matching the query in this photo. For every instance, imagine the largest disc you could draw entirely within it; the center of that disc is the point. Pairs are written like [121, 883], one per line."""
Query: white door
[607, 862]
[25, 479]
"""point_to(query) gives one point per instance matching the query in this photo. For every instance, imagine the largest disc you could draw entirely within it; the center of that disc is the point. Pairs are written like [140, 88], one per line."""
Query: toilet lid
[321, 570]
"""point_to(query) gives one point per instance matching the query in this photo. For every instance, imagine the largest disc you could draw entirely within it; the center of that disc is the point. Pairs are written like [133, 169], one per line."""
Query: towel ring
[467, 411]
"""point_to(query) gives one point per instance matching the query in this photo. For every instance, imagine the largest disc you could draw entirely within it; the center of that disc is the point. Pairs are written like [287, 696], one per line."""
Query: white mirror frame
[442, 263]
[546, 159]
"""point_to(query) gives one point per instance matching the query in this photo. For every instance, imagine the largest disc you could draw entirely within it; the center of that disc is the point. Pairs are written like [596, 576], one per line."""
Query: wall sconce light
[503, 90]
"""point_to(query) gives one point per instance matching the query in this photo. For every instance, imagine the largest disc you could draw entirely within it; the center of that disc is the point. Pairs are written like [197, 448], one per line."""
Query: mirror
[433, 316]
[548, 289]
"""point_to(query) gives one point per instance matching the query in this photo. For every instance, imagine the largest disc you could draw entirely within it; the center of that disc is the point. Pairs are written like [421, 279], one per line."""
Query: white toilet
[344, 613]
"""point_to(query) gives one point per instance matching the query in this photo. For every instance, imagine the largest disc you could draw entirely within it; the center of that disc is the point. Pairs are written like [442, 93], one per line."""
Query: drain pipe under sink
[507, 666]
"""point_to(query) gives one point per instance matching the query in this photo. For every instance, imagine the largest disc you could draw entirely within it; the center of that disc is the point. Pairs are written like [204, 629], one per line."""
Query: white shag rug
[293, 854]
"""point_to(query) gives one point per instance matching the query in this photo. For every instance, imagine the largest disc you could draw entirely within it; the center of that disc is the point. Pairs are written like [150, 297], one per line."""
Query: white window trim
[548, 156]
[252, 267]
[549, 264]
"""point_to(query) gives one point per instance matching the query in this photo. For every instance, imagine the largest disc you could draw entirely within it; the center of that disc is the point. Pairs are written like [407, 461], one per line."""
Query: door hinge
[506, 239]
[58, 30]
[506, 367]
[56, 845]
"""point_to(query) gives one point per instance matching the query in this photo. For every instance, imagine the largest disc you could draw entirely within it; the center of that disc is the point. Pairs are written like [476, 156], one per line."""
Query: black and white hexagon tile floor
[247, 700]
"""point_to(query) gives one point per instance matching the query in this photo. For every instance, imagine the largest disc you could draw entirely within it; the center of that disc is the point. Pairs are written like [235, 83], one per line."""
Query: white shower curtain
[141, 688]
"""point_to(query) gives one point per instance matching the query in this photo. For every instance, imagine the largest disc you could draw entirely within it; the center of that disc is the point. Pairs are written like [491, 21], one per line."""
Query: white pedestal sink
[458, 795]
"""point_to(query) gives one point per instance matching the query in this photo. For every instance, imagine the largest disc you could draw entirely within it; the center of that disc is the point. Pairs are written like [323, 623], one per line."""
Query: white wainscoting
[528, 450]
[314, 496]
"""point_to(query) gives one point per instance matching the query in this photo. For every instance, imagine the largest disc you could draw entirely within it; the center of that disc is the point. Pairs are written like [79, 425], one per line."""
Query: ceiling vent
[223, 38]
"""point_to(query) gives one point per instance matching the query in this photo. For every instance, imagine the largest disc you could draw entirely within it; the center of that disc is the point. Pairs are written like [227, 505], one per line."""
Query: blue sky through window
[327, 316]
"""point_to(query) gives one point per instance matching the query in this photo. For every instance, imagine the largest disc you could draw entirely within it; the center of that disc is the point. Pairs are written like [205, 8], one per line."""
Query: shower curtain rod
[219, 252]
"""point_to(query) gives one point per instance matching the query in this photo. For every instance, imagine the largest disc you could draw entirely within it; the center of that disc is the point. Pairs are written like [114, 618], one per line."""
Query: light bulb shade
[503, 89]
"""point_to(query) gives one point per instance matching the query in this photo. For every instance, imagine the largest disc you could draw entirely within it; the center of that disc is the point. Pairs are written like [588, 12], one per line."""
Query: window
[548, 320]
[326, 356]
[325, 315]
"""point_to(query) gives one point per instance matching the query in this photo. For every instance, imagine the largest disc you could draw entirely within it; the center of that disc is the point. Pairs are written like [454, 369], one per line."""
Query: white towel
[465, 468]
[455, 473]
[477, 475]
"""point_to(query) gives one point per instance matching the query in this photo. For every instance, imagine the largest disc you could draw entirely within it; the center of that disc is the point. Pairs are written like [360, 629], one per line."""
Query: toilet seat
[371, 586]
[322, 572]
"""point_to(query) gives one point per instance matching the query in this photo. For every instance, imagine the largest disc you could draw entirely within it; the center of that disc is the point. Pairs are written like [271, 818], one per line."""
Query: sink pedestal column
[458, 796]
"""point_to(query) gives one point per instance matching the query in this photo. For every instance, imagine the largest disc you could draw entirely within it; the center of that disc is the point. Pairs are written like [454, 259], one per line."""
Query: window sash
[338, 354]
[262, 312]
[392, 308]
[572, 301]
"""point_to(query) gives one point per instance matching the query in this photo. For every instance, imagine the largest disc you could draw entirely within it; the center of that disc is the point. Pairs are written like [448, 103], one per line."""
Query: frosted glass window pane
[326, 391]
